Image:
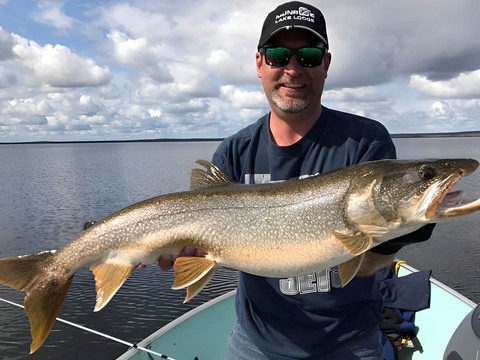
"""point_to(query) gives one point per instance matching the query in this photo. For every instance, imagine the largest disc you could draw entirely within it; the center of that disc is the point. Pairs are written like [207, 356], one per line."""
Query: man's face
[293, 88]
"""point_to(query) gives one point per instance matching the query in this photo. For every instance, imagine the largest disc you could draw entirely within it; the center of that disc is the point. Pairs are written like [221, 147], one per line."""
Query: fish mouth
[444, 204]
[454, 204]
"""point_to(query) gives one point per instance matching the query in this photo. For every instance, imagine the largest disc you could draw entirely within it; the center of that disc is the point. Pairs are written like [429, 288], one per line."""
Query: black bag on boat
[402, 297]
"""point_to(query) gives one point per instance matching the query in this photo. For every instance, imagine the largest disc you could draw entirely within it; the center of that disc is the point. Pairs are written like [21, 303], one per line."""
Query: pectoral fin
[109, 277]
[193, 273]
[356, 244]
[349, 269]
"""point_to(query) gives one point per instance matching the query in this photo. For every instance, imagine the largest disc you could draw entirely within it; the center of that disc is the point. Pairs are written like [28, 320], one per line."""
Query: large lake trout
[276, 230]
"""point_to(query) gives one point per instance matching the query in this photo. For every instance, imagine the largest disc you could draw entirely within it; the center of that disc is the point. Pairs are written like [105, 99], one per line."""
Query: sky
[81, 70]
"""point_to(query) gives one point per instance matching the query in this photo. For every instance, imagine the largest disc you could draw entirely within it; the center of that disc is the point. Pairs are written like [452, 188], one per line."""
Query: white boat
[448, 330]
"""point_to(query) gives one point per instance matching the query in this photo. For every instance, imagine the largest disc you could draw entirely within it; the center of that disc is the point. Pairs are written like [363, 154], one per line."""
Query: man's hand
[166, 261]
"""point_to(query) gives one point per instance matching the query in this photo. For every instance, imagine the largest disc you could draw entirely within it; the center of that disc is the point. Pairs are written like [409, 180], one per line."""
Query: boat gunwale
[443, 286]
[172, 324]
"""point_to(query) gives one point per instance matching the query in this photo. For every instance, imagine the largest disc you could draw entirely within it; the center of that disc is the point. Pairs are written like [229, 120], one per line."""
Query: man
[310, 316]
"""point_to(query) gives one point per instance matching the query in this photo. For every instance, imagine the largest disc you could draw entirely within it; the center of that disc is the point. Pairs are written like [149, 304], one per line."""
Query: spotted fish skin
[275, 230]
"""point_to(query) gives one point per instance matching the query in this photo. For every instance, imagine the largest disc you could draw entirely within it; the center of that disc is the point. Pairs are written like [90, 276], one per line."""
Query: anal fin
[109, 277]
[193, 273]
[349, 269]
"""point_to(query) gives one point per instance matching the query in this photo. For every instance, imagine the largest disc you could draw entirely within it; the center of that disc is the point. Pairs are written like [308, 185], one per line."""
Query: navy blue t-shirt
[309, 316]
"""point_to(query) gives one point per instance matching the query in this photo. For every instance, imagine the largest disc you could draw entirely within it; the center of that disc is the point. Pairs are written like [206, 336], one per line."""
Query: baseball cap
[294, 15]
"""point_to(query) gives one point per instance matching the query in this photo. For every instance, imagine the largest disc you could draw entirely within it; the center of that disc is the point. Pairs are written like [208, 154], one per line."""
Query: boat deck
[202, 333]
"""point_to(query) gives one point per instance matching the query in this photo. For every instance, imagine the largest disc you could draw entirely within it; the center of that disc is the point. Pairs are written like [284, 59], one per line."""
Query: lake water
[48, 191]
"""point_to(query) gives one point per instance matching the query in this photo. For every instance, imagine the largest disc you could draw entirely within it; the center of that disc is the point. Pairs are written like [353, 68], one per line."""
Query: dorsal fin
[211, 177]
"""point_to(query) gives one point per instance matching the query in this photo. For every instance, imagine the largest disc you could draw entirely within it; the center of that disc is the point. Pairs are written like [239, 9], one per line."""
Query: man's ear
[326, 62]
[258, 63]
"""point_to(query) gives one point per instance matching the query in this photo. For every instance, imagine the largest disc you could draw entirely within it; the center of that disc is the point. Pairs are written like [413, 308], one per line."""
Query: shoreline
[406, 135]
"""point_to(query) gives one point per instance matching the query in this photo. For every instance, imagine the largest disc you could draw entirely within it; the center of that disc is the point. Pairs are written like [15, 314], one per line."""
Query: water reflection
[49, 191]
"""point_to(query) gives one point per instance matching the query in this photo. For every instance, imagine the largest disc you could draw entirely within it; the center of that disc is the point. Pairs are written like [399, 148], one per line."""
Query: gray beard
[290, 105]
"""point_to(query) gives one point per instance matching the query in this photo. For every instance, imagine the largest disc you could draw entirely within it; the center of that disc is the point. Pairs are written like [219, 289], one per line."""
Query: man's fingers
[199, 252]
[192, 251]
[187, 251]
[165, 261]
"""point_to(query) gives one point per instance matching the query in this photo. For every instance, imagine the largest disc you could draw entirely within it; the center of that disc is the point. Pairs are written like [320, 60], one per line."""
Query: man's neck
[287, 129]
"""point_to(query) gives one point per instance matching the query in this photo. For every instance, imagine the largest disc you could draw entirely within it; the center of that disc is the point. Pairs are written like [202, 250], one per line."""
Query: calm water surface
[48, 191]
[453, 252]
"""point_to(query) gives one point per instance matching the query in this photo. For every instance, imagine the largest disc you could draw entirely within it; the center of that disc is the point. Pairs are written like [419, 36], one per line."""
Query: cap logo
[301, 14]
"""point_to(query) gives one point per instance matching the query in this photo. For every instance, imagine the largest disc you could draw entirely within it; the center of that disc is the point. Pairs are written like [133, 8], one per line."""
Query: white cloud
[364, 94]
[55, 114]
[51, 14]
[24, 111]
[465, 85]
[242, 99]
[137, 54]
[192, 83]
[6, 44]
[158, 69]
[93, 120]
[85, 100]
[58, 66]
[229, 67]
[136, 22]
[155, 113]
[7, 78]
[57, 121]
[454, 114]
[394, 39]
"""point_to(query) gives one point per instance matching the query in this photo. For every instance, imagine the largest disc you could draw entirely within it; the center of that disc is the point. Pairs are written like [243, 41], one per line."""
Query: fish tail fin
[193, 273]
[42, 305]
[45, 295]
[19, 272]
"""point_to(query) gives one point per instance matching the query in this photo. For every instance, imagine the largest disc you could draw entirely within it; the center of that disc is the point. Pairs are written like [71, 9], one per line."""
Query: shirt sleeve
[225, 158]
[219, 158]
[394, 245]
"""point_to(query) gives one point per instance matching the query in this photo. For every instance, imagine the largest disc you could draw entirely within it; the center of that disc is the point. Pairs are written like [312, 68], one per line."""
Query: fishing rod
[150, 352]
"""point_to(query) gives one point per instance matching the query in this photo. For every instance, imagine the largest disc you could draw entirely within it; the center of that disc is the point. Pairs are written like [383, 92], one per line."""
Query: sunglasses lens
[279, 56]
[306, 57]
[309, 57]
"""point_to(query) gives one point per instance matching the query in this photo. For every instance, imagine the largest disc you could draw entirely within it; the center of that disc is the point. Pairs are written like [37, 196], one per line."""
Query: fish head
[419, 191]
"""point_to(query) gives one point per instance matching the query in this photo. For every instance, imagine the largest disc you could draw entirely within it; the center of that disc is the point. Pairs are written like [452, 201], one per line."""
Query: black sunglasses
[280, 56]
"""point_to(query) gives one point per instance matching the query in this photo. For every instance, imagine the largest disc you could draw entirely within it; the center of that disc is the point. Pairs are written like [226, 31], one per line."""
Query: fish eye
[427, 172]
